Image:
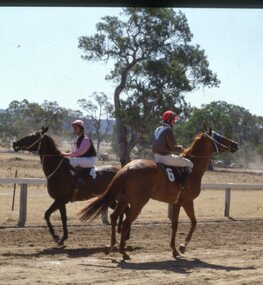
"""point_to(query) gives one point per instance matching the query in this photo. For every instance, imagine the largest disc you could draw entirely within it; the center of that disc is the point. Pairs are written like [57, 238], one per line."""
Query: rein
[56, 169]
[39, 140]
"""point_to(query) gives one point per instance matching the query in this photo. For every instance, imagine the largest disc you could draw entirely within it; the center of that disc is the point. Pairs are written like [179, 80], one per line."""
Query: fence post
[227, 201]
[23, 205]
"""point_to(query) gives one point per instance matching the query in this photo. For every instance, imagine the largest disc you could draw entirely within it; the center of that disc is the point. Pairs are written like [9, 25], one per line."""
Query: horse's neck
[201, 158]
[200, 167]
[49, 163]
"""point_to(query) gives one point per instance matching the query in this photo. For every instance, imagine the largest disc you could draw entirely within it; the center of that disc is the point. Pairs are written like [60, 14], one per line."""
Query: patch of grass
[18, 158]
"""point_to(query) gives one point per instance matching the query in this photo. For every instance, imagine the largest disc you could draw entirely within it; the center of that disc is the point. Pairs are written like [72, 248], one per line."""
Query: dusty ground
[222, 251]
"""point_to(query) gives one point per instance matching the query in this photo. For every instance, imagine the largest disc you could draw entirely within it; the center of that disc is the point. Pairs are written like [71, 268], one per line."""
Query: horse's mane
[53, 146]
[190, 148]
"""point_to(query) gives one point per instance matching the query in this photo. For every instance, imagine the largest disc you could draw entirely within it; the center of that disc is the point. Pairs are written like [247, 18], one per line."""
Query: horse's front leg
[63, 214]
[48, 213]
[175, 217]
[189, 209]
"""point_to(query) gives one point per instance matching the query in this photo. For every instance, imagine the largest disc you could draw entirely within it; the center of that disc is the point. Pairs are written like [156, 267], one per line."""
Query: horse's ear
[210, 132]
[205, 128]
[44, 129]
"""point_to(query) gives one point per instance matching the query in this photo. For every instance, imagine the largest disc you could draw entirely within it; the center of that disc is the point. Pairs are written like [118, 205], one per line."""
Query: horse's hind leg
[114, 216]
[189, 209]
[120, 223]
[63, 214]
[131, 215]
[175, 217]
[48, 213]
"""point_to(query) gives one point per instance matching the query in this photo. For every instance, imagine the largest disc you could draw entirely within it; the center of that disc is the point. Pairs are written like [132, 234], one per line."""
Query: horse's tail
[101, 204]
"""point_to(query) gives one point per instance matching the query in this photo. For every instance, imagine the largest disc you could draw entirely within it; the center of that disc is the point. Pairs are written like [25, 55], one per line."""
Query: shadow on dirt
[69, 252]
[180, 265]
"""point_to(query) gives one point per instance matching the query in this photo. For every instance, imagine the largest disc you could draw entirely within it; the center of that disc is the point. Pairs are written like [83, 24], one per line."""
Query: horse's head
[209, 142]
[219, 142]
[31, 142]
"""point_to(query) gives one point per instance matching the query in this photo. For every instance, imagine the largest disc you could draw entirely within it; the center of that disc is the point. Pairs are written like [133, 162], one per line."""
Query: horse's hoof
[108, 250]
[125, 256]
[56, 238]
[60, 243]
[182, 248]
[176, 254]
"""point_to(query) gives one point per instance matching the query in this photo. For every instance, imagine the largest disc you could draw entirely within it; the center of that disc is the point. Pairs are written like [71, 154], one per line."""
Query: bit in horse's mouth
[16, 148]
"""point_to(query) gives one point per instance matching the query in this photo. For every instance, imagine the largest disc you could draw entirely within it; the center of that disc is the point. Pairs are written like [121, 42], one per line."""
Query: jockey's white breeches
[85, 162]
[173, 160]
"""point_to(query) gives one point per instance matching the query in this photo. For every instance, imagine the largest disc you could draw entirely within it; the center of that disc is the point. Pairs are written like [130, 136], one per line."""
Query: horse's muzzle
[234, 147]
[16, 147]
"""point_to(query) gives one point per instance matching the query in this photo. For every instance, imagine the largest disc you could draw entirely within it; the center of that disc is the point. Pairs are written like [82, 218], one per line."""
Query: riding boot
[183, 176]
[81, 178]
[80, 183]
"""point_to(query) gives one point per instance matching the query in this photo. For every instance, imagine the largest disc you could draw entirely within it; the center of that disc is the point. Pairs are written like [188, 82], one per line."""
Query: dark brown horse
[61, 183]
[141, 180]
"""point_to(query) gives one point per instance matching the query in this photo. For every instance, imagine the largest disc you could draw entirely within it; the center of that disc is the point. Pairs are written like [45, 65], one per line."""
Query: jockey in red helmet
[164, 143]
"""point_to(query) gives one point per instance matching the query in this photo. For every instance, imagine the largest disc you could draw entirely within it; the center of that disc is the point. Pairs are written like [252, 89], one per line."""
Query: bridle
[215, 139]
[34, 143]
[39, 140]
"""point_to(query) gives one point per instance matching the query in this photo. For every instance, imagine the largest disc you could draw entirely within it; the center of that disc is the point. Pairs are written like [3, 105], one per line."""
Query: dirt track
[222, 252]
[226, 252]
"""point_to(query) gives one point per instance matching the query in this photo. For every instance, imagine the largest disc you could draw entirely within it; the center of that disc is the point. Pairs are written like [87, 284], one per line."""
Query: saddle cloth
[85, 173]
[175, 174]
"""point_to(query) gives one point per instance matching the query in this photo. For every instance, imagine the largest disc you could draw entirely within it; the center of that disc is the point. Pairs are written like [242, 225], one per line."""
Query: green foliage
[24, 117]
[232, 121]
[155, 64]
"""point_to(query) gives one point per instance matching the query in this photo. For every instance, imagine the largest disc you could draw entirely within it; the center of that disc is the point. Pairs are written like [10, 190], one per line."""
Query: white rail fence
[24, 182]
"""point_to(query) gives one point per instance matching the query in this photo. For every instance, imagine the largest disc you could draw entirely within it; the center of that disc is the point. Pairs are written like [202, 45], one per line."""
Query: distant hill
[104, 125]
[68, 120]
[2, 110]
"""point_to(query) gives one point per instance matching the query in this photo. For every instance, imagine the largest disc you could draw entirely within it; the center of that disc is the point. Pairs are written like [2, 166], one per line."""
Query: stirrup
[181, 187]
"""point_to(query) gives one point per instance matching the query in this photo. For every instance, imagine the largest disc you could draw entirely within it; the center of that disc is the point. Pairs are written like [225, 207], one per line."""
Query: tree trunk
[122, 132]
[98, 146]
[123, 147]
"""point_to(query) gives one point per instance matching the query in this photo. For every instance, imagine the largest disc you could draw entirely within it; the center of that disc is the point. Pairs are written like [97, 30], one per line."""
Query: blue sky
[40, 59]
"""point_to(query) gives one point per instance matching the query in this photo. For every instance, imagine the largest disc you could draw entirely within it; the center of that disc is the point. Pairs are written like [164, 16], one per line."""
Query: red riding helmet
[169, 116]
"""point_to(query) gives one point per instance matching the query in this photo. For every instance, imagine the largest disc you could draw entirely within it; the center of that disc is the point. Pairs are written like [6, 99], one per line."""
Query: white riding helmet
[79, 123]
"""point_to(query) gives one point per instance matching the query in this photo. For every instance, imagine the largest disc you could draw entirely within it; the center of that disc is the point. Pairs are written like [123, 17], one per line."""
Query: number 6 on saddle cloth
[175, 174]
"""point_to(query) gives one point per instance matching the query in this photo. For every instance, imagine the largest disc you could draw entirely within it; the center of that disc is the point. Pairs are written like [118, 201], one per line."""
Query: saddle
[84, 175]
[175, 174]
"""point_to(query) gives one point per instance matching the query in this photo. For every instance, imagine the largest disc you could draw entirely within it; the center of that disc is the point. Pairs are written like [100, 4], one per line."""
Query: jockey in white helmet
[84, 153]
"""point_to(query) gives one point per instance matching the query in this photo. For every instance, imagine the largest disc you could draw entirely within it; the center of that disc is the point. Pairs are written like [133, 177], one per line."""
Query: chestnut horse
[141, 180]
[61, 184]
